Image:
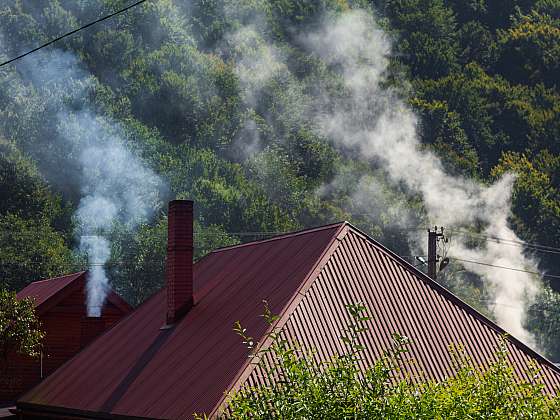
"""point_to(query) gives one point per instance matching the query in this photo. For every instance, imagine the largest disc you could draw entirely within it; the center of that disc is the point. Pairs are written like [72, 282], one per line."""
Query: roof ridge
[77, 273]
[282, 236]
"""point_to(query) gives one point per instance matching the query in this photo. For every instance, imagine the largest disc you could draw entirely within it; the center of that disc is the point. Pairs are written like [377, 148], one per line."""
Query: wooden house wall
[68, 330]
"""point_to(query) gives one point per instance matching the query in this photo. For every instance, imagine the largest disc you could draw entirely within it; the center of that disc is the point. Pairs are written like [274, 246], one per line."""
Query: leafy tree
[200, 85]
[31, 250]
[495, 115]
[478, 44]
[31, 246]
[427, 35]
[20, 330]
[530, 49]
[22, 188]
[543, 319]
[536, 199]
[441, 128]
[469, 11]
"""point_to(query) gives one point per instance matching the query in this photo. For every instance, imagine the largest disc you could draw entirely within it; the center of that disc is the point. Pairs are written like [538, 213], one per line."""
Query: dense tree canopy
[215, 97]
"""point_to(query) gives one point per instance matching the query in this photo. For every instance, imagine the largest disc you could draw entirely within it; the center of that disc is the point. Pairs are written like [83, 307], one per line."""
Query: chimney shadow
[136, 370]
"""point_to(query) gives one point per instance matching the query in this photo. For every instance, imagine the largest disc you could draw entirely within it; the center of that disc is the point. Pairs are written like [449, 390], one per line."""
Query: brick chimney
[179, 266]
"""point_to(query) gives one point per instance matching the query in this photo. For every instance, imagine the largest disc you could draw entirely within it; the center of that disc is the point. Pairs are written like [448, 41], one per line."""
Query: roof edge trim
[71, 413]
[278, 237]
[77, 273]
[62, 293]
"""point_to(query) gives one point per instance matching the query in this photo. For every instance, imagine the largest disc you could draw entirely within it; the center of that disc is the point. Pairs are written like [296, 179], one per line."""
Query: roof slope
[399, 299]
[44, 290]
[138, 369]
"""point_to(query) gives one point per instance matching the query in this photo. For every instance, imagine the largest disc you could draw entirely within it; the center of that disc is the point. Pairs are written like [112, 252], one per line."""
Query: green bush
[298, 387]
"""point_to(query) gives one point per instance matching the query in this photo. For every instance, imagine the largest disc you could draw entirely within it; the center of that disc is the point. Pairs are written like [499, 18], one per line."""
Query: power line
[506, 268]
[534, 248]
[72, 32]
[544, 248]
[496, 239]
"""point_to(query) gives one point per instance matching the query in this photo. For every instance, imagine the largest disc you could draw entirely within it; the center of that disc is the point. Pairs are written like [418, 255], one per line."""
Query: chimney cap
[180, 202]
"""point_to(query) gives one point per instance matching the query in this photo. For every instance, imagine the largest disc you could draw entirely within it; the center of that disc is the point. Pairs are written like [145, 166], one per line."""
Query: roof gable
[139, 369]
[50, 292]
[47, 293]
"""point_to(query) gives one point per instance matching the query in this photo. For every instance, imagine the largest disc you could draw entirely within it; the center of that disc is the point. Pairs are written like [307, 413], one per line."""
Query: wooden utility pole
[433, 258]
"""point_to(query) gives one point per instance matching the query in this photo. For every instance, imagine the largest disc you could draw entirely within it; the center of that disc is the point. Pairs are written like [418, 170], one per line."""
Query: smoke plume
[92, 152]
[357, 113]
[377, 123]
[116, 187]
[363, 117]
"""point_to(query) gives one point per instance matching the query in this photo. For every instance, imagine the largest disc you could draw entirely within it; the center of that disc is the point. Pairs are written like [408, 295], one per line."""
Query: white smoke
[257, 62]
[98, 250]
[94, 153]
[365, 118]
[116, 187]
[376, 122]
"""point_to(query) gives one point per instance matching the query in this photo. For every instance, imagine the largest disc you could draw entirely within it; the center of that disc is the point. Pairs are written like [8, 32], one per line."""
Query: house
[60, 306]
[177, 354]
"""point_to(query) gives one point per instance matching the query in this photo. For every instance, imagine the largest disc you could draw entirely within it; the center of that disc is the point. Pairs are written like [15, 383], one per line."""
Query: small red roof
[43, 290]
[141, 369]
[47, 293]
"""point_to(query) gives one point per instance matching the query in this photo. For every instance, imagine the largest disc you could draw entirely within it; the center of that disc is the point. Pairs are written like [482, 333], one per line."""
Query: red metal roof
[47, 293]
[399, 299]
[138, 369]
[43, 290]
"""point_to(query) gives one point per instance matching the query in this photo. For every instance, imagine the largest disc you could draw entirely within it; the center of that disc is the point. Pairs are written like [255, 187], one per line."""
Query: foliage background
[482, 75]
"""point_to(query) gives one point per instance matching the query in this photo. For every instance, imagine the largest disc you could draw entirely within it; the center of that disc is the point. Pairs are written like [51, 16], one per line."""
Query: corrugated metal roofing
[138, 369]
[43, 290]
[399, 299]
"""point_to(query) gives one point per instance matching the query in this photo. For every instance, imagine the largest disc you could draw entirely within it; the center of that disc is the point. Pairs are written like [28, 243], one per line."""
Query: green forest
[278, 115]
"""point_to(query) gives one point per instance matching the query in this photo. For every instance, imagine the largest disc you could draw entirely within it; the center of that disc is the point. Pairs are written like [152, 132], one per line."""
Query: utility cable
[72, 33]
[528, 247]
[508, 241]
[534, 248]
[506, 268]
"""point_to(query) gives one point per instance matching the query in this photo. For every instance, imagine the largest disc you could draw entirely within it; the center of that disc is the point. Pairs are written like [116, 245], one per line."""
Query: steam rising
[375, 122]
[360, 116]
[116, 187]
[366, 119]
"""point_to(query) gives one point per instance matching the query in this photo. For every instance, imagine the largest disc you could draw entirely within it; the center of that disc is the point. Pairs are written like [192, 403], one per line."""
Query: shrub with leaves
[296, 386]
[20, 330]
